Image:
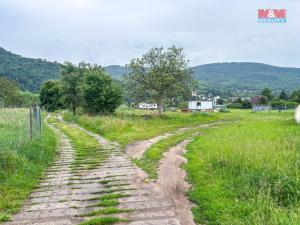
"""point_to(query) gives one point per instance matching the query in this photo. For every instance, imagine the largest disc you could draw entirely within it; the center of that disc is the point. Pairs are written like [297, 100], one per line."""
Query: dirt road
[64, 194]
[137, 149]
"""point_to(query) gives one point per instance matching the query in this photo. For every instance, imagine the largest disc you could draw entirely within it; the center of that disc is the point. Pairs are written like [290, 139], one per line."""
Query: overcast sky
[114, 31]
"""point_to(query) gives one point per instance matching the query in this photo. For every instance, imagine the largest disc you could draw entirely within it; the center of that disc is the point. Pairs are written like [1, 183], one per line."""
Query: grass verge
[22, 166]
[247, 173]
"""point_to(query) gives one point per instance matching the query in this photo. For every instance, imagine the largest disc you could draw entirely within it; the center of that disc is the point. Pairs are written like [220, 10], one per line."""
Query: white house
[202, 105]
[144, 105]
[197, 103]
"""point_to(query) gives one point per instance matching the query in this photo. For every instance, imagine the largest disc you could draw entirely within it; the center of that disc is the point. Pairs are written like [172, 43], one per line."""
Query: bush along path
[92, 182]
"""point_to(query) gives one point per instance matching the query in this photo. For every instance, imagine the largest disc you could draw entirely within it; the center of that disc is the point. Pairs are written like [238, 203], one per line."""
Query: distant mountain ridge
[240, 76]
[234, 77]
[116, 71]
[247, 76]
[27, 72]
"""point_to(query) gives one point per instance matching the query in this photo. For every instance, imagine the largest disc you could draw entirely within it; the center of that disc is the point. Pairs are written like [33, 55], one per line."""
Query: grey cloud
[113, 32]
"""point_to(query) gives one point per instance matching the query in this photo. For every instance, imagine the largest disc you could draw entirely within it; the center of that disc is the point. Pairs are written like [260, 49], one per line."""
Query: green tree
[51, 95]
[28, 98]
[283, 95]
[246, 104]
[9, 93]
[263, 100]
[160, 74]
[100, 93]
[295, 96]
[183, 105]
[71, 79]
[267, 93]
[238, 100]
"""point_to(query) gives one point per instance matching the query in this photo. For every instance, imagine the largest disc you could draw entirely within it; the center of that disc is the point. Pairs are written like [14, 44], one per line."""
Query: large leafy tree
[100, 93]
[159, 74]
[71, 79]
[51, 95]
[28, 98]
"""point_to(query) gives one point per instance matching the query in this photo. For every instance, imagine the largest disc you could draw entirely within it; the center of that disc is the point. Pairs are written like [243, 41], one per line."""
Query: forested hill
[243, 77]
[29, 73]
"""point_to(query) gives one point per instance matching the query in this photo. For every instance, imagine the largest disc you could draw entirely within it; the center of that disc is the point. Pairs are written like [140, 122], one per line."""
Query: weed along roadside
[22, 160]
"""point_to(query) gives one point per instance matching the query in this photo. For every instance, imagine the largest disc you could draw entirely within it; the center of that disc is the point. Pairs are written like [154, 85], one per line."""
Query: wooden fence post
[40, 121]
[30, 122]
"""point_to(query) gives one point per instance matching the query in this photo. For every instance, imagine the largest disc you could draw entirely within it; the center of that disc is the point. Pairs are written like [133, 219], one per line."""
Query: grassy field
[21, 161]
[247, 173]
[241, 173]
[127, 126]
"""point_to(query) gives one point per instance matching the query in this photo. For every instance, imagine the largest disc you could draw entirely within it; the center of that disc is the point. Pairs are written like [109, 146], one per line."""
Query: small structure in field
[144, 105]
[202, 105]
[198, 103]
[297, 114]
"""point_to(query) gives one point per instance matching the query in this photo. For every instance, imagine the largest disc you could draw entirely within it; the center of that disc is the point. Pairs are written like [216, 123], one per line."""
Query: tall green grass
[131, 125]
[14, 127]
[247, 173]
[22, 161]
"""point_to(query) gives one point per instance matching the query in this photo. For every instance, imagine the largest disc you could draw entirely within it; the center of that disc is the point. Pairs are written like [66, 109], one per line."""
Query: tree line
[12, 96]
[280, 100]
[83, 85]
[161, 76]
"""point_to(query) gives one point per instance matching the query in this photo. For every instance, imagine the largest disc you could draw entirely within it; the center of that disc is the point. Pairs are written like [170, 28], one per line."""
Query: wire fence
[19, 125]
[35, 122]
[259, 108]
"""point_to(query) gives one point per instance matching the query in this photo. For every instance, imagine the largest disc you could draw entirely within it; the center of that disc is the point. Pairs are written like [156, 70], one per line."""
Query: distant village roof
[194, 98]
